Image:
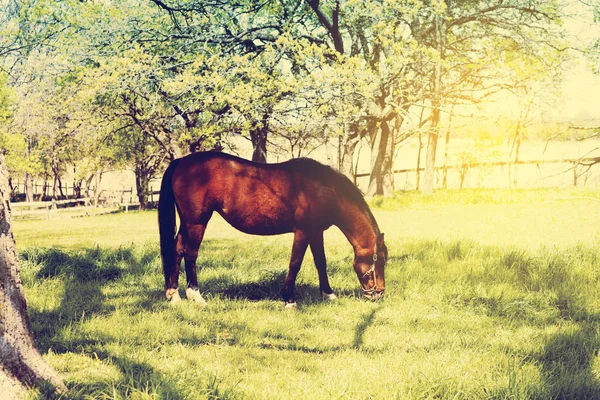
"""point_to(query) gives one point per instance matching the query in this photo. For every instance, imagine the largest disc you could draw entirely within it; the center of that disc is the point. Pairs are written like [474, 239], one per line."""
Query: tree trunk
[77, 188]
[347, 146]
[97, 178]
[429, 179]
[419, 151]
[429, 173]
[21, 365]
[515, 176]
[44, 194]
[381, 180]
[259, 145]
[28, 187]
[258, 135]
[175, 149]
[57, 192]
[446, 145]
[142, 185]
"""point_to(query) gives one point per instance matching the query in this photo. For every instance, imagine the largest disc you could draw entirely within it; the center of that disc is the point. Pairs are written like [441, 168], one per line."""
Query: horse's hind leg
[172, 274]
[195, 236]
[298, 251]
[318, 250]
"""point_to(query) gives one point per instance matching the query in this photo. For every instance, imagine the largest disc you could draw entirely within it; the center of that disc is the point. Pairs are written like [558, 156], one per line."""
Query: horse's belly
[259, 223]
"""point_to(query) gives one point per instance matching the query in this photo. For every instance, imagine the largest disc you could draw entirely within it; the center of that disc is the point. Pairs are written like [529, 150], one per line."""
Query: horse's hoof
[290, 306]
[172, 296]
[330, 296]
[195, 295]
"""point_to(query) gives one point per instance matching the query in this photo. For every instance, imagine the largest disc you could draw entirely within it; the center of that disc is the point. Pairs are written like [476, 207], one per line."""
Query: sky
[581, 86]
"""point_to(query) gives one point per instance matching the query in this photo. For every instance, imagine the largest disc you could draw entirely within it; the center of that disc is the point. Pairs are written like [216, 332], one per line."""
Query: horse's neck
[359, 230]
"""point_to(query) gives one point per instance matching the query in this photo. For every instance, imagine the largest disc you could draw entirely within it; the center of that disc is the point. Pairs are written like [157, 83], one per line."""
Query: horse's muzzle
[373, 295]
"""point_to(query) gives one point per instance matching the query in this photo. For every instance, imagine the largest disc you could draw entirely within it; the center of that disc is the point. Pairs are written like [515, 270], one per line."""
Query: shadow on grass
[268, 288]
[359, 332]
[366, 320]
[566, 366]
[567, 363]
[95, 281]
[83, 273]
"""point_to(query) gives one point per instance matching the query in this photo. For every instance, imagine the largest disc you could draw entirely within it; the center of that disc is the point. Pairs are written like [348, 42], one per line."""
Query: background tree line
[93, 86]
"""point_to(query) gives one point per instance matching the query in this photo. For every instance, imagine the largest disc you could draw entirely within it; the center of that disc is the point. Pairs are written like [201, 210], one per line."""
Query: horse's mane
[340, 182]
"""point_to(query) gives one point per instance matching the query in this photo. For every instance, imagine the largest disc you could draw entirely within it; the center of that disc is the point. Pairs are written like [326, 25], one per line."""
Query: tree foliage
[288, 75]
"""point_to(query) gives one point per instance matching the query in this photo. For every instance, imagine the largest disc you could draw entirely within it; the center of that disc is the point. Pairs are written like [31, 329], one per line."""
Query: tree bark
[418, 172]
[57, 192]
[517, 149]
[142, 185]
[28, 177]
[97, 177]
[347, 146]
[346, 165]
[446, 150]
[381, 181]
[28, 187]
[21, 365]
[258, 136]
[429, 178]
[429, 173]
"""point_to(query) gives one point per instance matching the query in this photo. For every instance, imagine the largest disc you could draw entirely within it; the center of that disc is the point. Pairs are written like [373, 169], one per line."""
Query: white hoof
[195, 295]
[330, 296]
[172, 296]
[290, 306]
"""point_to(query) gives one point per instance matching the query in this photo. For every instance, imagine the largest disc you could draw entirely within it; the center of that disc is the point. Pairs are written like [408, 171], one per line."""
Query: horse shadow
[85, 276]
[267, 288]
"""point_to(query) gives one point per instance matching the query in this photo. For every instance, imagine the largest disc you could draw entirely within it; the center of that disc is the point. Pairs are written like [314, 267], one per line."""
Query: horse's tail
[166, 221]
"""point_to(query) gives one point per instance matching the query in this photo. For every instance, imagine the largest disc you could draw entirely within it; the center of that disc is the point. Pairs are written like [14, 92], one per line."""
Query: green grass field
[490, 294]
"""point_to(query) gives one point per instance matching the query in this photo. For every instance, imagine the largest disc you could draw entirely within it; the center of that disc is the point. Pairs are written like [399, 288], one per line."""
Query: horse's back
[252, 197]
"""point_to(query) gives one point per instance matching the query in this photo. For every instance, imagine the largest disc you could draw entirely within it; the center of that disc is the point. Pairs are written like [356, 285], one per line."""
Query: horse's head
[370, 270]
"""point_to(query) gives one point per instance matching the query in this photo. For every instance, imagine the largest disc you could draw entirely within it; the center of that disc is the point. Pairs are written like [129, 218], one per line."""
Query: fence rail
[21, 209]
[573, 163]
[576, 161]
[125, 199]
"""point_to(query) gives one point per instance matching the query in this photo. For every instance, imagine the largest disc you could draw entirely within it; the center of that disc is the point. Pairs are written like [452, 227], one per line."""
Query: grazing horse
[300, 196]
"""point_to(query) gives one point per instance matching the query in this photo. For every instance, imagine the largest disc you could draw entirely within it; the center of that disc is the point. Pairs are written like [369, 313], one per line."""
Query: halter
[372, 291]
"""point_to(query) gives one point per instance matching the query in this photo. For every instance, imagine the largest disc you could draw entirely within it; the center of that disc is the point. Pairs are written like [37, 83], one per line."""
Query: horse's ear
[380, 239]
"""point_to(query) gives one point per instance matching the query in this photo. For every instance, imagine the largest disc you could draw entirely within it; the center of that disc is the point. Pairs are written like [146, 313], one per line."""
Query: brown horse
[300, 196]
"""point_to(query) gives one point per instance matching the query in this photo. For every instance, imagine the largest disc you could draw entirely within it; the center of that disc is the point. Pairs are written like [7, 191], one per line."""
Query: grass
[490, 294]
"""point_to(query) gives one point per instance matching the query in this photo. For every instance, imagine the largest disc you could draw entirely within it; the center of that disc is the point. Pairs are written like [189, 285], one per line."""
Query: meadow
[490, 294]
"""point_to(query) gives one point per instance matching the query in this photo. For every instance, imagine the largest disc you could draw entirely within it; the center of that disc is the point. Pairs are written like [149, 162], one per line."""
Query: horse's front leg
[298, 251]
[318, 251]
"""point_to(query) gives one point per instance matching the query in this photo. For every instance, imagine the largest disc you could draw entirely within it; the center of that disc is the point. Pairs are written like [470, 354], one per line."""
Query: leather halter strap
[371, 270]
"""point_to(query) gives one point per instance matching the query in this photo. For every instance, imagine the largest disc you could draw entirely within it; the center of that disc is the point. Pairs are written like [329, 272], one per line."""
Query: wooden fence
[575, 166]
[44, 208]
[126, 200]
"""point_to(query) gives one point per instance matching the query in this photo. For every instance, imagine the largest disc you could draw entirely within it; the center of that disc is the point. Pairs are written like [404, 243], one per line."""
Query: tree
[142, 154]
[460, 34]
[21, 365]
[380, 47]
